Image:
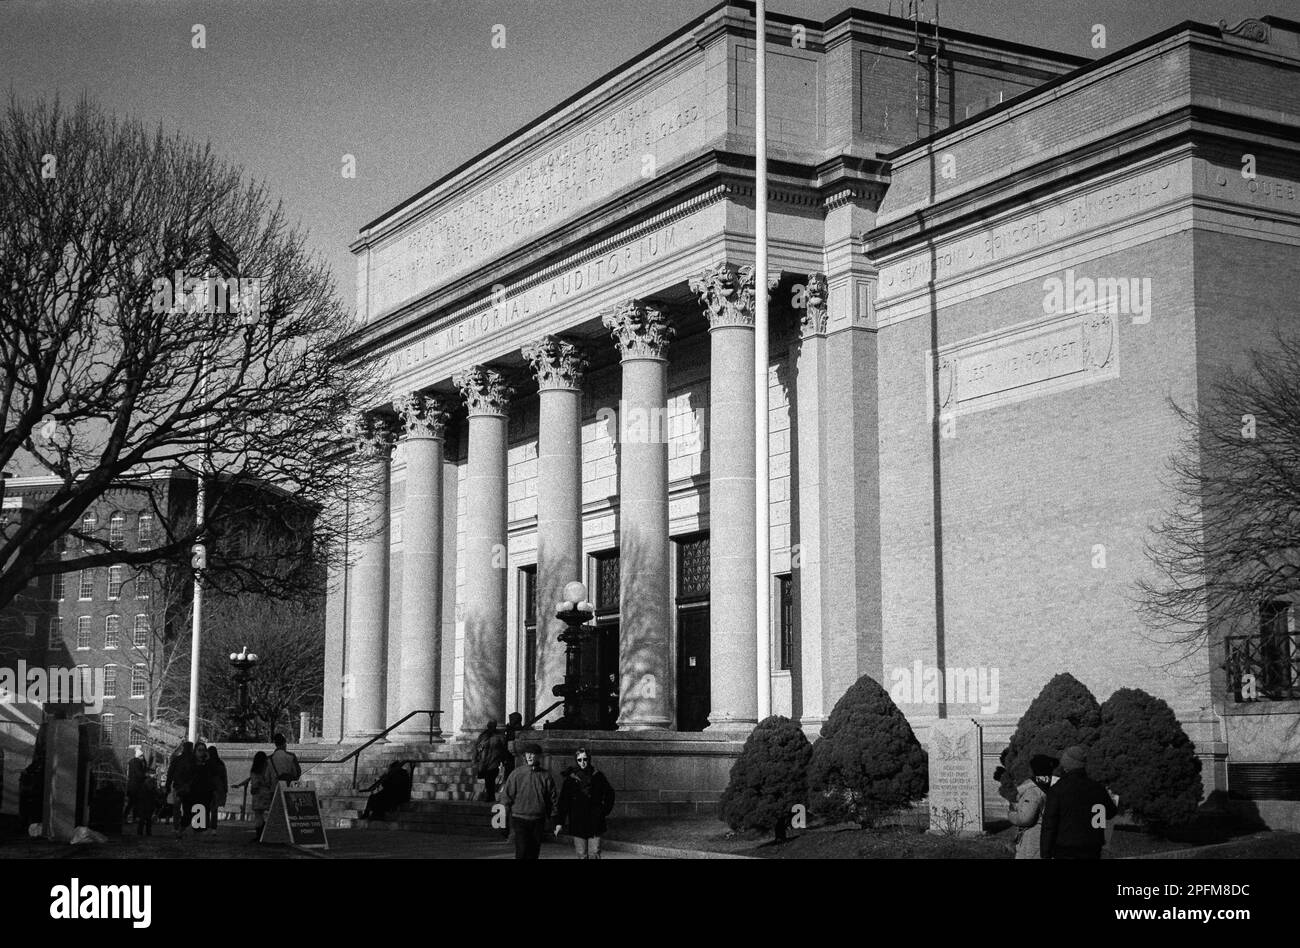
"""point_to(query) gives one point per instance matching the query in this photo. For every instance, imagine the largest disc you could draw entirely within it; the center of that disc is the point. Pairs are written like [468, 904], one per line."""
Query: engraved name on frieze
[513, 306]
[1056, 221]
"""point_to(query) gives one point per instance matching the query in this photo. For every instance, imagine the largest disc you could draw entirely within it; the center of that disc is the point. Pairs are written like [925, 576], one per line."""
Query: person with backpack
[489, 758]
[284, 763]
[586, 799]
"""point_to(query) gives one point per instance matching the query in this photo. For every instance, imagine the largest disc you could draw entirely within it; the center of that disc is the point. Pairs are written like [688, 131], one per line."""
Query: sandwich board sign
[295, 819]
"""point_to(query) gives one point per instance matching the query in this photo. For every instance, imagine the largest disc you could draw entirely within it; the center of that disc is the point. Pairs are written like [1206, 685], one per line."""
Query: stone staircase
[442, 791]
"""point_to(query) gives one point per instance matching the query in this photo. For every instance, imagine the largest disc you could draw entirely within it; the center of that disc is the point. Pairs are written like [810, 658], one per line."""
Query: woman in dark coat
[585, 800]
[199, 793]
[179, 773]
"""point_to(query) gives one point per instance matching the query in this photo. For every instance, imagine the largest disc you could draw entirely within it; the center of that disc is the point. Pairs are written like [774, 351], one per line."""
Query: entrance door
[693, 668]
[693, 633]
[607, 662]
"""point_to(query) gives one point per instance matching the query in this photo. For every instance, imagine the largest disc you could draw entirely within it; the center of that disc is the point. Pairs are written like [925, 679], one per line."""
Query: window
[528, 593]
[29, 623]
[88, 524]
[145, 531]
[55, 639]
[143, 584]
[115, 581]
[86, 586]
[137, 729]
[58, 586]
[786, 620]
[106, 729]
[139, 681]
[83, 631]
[112, 631]
[110, 681]
[116, 529]
[140, 634]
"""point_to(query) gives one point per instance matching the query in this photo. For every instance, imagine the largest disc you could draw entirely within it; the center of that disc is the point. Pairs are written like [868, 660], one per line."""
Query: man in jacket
[1076, 812]
[530, 794]
[585, 800]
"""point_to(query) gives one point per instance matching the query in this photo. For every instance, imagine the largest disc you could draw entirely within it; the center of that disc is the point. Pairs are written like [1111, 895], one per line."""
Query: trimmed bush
[1143, 754]
[867, 761]
[1064, 714]
[769, 778]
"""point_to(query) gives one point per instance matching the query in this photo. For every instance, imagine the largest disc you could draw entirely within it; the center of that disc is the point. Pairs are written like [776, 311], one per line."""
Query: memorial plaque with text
[956, 764]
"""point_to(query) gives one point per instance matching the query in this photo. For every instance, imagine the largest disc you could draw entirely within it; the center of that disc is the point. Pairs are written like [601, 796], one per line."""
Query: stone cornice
[423, 416]
[485, 391]
[557, 363]
[640, 330]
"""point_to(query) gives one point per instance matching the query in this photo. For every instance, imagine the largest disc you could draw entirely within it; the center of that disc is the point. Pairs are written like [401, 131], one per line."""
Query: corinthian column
[646, 694]
[424, 418]
[559, 366]
[727, 296]
[366, 669]
[487, 397]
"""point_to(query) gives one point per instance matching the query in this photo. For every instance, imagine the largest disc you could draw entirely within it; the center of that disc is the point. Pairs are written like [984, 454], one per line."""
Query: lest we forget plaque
[956, 777]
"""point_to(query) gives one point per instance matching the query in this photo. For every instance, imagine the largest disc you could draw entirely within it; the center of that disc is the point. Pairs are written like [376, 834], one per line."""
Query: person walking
[180, 772]
[531, 797]
[261, 788]
[284, 762]
[195, 801]
[1027, 810]
[220, 785]
[144, 800]
[488, 759]
[586, 799]
[1076, 812]
[136, 771]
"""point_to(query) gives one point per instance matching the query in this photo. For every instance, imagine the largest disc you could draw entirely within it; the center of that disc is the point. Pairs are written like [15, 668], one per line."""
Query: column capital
[640, 330]
[485, 390]
[423, 416]
[727, 294]
[812, 321]
[372, 436]
[557, 363]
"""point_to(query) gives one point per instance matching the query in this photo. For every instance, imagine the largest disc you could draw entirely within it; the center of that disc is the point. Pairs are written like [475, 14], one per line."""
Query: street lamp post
[243, 663]
[581, 692]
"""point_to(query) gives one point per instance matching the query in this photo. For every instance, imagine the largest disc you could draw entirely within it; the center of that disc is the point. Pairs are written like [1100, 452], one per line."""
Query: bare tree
[289, 640]
[158, 314]
[1230, 545]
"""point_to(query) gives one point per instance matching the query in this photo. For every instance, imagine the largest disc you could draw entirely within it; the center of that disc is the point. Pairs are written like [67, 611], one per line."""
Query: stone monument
[956, 775]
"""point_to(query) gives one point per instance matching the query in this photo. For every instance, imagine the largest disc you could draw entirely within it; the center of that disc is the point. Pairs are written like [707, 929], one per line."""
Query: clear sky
[413, 88]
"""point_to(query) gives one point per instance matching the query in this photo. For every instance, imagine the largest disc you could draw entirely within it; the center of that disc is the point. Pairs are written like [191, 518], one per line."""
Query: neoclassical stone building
[963, 460]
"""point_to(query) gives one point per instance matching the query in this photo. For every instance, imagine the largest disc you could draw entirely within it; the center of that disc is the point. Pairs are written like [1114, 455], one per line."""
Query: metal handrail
[541, 714]
[355, 754]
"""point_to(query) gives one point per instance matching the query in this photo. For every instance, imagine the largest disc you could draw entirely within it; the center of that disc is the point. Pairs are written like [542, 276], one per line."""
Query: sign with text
[295, 819]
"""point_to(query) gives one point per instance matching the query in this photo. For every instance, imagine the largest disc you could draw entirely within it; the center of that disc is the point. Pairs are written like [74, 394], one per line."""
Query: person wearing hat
[1027, 810]
[530, 794]
[1077, 811]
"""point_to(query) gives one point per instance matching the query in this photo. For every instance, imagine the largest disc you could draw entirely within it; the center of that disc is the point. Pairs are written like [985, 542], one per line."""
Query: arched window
[116, 529]
[89, 523]
[145, 528]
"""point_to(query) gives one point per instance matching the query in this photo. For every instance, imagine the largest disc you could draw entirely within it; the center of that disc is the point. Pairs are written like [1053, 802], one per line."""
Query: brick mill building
[965, 452]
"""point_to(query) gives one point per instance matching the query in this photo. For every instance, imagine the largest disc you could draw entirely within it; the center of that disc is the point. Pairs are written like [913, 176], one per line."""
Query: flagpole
[763, 622]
